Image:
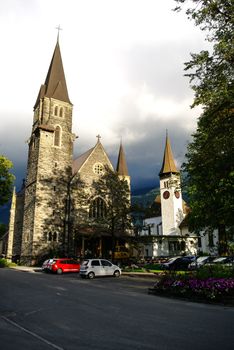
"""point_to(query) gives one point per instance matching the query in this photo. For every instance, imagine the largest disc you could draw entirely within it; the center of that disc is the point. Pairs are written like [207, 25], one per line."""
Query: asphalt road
[41, 311]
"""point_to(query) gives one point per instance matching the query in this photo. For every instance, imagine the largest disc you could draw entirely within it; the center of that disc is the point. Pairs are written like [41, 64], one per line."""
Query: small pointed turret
[55, 84]
[121, 167]
[168, 165]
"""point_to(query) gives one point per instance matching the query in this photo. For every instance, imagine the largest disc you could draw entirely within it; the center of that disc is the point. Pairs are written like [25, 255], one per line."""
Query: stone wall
[48, 173]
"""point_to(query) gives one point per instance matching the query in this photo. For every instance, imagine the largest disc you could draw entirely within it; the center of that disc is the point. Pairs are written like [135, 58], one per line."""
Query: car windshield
[172, 259]
[219, 259]
[202, 258]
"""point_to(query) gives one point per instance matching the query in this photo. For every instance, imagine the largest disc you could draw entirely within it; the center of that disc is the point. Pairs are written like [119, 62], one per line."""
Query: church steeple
[121, 167]
[168, 165]
[55, 84]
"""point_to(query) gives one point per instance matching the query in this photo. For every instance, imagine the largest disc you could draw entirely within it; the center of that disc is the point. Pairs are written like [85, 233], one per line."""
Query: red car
[64, 265]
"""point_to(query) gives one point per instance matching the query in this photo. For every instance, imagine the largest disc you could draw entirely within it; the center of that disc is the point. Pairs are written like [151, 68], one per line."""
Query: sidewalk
[31, 269]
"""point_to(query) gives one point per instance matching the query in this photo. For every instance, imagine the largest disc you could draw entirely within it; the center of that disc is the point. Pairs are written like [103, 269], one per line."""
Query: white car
[98, 267]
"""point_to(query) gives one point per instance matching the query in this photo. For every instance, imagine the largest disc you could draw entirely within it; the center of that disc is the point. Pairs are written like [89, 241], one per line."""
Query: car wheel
[59, 271]
[117, 273]
[91, 275]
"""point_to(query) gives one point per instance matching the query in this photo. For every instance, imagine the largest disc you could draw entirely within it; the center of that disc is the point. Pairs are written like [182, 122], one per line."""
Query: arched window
[97, 208]
[56, 111]
[55, 236]
[61, 112]
[50, 236]
[57, 136]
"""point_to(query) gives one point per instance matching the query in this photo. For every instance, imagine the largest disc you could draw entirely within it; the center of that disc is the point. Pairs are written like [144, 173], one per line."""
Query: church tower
[170, 192]
[121, 168]
[49, 165]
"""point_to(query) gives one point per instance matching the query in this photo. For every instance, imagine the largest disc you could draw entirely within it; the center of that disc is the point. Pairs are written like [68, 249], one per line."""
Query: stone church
[46, 214]
[41, 212]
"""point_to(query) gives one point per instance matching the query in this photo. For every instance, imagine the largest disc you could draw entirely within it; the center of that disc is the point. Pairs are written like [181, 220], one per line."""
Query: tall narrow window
[56, 111]
[61, 112]
[57, 136]
[97, 208]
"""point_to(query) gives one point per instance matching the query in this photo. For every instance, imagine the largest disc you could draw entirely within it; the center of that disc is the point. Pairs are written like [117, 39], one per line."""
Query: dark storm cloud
[145, 152]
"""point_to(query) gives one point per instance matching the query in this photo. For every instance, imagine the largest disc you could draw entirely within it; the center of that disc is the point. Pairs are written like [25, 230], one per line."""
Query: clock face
[166, 194]
[177, 194]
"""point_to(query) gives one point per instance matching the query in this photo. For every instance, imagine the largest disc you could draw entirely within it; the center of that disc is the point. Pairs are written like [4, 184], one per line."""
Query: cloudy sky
[123, 61]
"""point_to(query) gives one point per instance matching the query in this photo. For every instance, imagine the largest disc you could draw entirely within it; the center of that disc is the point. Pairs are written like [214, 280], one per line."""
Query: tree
[209, 159]
[6, 179]
[115, 216]
[211, 72]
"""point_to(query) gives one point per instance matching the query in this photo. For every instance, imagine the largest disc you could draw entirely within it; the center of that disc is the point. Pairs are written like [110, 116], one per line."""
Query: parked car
[46, 265]
[224, 260]
[176, 263]
[98, 267]
[201, 261]
[62, 265]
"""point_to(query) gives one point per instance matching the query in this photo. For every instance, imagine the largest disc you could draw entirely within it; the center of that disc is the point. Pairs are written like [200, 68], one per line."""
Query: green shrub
[4, 263]
[153, 267]
[217, 271]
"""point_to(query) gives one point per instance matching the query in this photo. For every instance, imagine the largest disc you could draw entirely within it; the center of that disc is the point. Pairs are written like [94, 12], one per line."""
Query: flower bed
[211, 289]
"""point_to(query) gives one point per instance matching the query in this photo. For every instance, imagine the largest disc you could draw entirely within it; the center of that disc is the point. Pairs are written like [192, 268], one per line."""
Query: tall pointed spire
[168, 165]
[55, 84]
[121, 167]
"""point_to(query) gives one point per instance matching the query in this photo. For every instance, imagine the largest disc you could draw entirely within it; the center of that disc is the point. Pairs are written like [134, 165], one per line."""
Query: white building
[169, 233]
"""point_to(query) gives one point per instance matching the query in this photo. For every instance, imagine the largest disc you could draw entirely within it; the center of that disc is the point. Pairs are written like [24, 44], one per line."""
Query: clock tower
[170, 192]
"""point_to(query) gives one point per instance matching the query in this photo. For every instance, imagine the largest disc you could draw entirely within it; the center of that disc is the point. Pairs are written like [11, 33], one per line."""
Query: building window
[50, 236]
[166, 184]
[57, 136]
[55, 236]
[97, 208]
[211, 239]
[61, 112]
[56, 111]
[98, 168]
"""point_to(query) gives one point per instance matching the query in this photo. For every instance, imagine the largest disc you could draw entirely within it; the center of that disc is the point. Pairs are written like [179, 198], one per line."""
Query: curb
[26, 269]
[140, 274]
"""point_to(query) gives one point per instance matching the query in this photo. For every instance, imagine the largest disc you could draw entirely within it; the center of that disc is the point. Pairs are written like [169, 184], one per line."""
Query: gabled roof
[168, 165]
[55, 84]
[121, 167]
[78, 162]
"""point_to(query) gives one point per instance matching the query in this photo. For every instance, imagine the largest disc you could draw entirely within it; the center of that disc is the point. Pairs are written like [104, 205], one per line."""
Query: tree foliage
[209, 159]
[211, 72]
[210, 169]
[116, 194]
[6, 179]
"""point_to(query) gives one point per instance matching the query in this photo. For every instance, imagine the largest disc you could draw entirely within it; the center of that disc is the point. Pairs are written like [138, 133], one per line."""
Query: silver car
[98, 267]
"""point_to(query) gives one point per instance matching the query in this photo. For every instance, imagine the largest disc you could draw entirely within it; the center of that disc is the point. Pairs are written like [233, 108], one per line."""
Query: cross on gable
[98, 137]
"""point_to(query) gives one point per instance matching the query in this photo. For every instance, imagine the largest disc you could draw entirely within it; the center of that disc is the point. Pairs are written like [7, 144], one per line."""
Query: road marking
[32, 334]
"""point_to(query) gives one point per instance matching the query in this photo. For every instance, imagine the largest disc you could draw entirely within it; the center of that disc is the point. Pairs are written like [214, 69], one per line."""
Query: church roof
[55, 84]
[78, 162]
[121, 167]
[168, 165]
